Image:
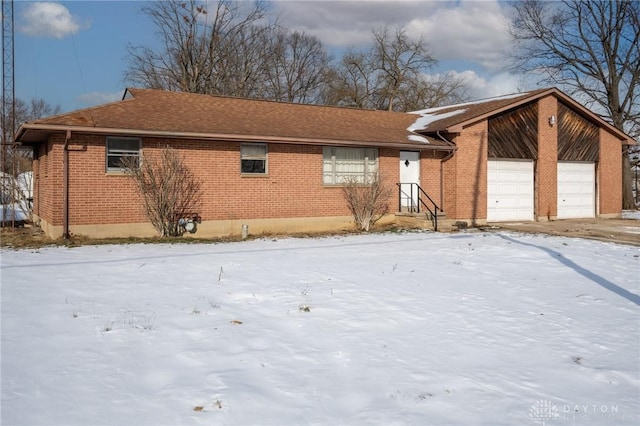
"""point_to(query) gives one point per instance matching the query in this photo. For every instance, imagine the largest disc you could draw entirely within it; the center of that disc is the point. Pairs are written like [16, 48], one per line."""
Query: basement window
[119, 149]
[341, 165]
[253, 159]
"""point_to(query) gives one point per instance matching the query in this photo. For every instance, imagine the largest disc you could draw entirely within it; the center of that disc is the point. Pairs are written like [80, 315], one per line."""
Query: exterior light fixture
[552, 120]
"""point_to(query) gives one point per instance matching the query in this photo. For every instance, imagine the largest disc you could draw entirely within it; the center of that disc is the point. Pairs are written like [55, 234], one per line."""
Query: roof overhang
[31, 134]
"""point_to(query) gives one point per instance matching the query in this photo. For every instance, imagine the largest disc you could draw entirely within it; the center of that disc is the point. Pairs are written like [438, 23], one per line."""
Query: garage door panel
[576, 190]
[509, 190]
[509, 203]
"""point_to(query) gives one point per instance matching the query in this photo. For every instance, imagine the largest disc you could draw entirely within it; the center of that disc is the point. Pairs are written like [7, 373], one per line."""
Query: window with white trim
[120, 148]
[341, 164]
[253, 159]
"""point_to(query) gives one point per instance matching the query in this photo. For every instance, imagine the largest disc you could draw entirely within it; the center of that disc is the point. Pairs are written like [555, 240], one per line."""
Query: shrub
[368, 202]
[169, 190]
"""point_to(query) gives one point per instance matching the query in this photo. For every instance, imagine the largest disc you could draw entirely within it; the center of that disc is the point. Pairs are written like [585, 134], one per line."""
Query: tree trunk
[628, 202]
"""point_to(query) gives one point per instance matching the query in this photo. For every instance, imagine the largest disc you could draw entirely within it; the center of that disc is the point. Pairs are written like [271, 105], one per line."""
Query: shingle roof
[453, 118]
[158, 113]
[170, 113]
[445, 118]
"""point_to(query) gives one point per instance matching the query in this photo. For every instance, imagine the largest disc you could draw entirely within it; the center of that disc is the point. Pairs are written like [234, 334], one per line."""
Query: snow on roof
[425, 119]
[430, 115]
[476, 102]
[418, 138]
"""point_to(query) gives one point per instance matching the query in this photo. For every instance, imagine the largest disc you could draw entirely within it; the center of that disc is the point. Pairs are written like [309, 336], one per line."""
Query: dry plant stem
[367, 202]
[169, 190]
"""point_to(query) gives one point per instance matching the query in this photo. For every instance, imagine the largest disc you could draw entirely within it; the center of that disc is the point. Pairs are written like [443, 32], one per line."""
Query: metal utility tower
[8, 165]
[8, 85]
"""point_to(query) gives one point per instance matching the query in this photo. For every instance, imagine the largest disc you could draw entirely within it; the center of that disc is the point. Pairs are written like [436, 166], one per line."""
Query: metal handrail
[415, 206]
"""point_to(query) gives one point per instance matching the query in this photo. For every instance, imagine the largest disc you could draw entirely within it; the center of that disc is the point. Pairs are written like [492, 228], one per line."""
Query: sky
[74, 53]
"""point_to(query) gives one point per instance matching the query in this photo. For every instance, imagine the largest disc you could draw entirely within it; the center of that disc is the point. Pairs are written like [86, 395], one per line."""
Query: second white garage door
[509, 190]
[576, 190]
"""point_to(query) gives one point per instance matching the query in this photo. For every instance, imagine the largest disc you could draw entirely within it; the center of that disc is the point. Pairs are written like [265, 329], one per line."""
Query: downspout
[65, 187]
[454, 148]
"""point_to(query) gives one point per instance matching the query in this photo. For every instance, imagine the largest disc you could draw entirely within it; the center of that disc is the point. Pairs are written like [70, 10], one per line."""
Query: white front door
[509, 190]
[576, 190]
[409, 173]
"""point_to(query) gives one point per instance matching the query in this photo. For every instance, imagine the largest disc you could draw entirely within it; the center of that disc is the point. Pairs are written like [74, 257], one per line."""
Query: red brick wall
[96, 196]
[609, 174]
[293, 186]
[450, 186]
[47, 191]
[39, 160]
[546, 174]
[430, 174]
[467, 193]
[388, 163]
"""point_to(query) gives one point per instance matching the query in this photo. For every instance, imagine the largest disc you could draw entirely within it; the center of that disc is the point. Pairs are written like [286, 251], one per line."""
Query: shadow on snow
[634, 298]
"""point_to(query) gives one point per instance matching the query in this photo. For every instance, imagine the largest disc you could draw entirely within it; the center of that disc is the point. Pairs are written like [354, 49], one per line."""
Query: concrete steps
[422, 221]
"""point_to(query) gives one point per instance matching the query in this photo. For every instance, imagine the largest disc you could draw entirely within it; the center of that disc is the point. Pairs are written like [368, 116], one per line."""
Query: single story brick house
[278, 167]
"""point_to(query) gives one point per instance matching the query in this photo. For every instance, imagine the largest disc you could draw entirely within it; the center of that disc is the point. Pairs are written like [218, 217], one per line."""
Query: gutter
[227, 137]
[65, 187]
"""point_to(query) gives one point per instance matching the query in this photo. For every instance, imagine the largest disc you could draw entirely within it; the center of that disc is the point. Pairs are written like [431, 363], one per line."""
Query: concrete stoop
[422, 221]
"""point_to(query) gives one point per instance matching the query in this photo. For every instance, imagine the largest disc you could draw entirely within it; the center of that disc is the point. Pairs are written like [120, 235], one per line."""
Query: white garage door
[509, 190]
[576, 190]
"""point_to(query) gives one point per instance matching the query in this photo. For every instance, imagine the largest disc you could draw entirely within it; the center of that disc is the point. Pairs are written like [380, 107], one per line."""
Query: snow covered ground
[631, 214]
[389, 329]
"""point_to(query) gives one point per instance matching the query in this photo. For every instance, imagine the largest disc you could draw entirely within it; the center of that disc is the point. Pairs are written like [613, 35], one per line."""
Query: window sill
[254, 175]
[116, 173]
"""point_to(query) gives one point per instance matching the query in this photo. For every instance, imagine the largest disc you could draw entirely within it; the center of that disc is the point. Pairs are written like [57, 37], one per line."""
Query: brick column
[546, 179]
[609, 176]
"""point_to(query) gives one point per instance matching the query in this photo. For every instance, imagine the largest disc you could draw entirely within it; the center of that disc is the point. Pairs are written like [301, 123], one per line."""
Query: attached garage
[576, 189]
[510, 192]
[541, 156]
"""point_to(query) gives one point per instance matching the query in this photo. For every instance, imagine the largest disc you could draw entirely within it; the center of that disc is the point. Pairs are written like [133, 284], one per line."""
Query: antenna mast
[8, 165]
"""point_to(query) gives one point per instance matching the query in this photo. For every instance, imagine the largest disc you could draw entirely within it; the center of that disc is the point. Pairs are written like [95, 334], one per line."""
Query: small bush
[168, 188]
[368, 202]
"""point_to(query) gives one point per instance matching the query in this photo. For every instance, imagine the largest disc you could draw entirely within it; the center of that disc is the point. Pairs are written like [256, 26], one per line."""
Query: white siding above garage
[576, 189]
[509, 190]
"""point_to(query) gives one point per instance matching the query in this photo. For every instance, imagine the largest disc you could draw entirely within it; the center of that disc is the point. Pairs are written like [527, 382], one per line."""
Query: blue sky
[73, 53]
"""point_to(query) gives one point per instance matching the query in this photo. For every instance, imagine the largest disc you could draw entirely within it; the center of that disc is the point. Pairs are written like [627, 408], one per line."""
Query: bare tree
[392, 75]
[170, 191]
[296, 68]
[39, 108]
[24, 111]
[426, 91]
[16, 186]
[590, 48]
[226, 47]
[368, 202]
[203, 47]
[353, 81]
[242, 72]
[399, 60]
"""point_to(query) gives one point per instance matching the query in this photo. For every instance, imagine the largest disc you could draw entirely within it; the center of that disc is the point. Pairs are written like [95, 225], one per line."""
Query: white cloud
[465, 30]
[471, 31]
[499, 84]
[98, 98]
[49, 19]
[345, 23]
